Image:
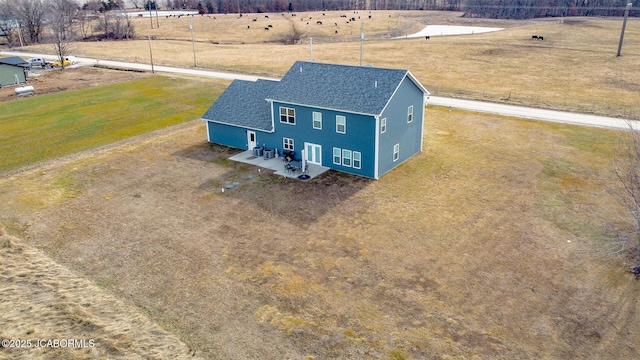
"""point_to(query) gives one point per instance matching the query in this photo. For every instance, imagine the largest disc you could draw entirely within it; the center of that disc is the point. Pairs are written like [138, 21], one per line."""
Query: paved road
[480, 106]
[535, 114]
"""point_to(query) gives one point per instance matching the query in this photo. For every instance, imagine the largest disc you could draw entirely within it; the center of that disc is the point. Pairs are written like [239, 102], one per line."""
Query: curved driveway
[480, 106]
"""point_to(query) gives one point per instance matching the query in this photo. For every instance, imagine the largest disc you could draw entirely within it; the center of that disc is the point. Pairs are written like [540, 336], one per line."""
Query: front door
[313, 153]
[251, 139]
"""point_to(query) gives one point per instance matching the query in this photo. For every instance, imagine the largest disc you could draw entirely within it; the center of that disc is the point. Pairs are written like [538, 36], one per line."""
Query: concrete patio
[277, 165]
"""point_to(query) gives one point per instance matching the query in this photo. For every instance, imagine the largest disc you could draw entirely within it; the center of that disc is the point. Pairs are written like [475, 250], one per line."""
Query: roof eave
[324, 108]
[235, 125]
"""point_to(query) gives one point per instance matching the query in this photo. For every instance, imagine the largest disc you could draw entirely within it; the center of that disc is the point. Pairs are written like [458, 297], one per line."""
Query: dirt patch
[56, 80]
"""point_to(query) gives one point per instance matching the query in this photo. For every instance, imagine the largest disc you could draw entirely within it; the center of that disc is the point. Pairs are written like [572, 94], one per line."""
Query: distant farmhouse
[13, 71]
[356, 119]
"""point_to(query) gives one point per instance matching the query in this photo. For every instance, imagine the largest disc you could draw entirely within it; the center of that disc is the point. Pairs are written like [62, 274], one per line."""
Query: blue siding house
[356, 119]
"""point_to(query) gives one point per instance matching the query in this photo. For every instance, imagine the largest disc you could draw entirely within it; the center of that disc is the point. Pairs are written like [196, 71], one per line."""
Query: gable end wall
[408, 135]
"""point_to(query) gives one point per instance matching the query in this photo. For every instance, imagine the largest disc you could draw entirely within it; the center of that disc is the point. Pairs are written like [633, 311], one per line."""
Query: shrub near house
[360, 120]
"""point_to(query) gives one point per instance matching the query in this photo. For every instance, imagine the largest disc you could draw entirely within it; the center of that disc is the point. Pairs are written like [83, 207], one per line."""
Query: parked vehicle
[57, 63]
[37, 62]
[71, 59]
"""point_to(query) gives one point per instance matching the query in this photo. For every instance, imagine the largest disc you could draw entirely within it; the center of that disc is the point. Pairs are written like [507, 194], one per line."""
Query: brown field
[493, 243]
[43, 300]
[574, 68]
[489, 244]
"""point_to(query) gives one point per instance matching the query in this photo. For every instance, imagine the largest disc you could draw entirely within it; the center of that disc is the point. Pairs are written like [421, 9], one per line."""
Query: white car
[71, 59]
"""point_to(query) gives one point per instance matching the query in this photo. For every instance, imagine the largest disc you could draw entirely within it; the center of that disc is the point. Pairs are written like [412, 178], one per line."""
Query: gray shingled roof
[359, 89]
[14, 60]
[244, 104]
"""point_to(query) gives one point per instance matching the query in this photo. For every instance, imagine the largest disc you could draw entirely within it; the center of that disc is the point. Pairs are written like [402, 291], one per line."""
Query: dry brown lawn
[42, 300]
[492, 243]
[489, 244]
[574, 68]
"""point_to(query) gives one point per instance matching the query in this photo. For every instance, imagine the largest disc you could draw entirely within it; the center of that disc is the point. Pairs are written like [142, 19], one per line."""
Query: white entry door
[251, 139]
[313, 153]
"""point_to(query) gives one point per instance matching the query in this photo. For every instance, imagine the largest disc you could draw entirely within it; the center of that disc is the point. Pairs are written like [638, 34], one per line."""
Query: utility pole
[361, 40]
[157, 21]
[151, 55]
[150, 13]
[624, 25]
[193, 43]
[20, 35]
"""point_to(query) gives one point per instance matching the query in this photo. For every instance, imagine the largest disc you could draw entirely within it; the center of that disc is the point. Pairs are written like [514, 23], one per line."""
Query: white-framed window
[341, 124]
[337, 156]
[396, 152]
[287, 144]
[410, 114]
[357, 160]
[383, 126]
[287, 115]
[346, 157]
[317, 120]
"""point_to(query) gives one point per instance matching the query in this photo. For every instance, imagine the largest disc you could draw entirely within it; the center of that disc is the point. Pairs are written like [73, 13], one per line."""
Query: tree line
[274, 6]
[61, 22]
[527, 9]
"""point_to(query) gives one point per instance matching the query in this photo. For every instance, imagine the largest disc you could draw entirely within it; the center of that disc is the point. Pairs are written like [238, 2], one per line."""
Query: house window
[287, 115]
[341, 124]
[410, 114]
[383, 126]
[337, 156]
[317, 120]
[357, 163]
[346, 157]
[287, 144]
[396, 152]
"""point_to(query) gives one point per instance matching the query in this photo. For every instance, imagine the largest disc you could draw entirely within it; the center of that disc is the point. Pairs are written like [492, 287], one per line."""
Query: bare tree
[7, 19]
[85, 18]
[104, 24]
[60, 16]
[30, 15]
[626, 166]
[128, 28]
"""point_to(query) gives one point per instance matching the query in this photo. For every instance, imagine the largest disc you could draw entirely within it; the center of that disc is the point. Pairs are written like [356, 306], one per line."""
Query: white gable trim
[238, 126]
[376, 149]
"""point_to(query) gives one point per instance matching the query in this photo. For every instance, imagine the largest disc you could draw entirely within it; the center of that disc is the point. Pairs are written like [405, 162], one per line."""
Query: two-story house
[357, 119]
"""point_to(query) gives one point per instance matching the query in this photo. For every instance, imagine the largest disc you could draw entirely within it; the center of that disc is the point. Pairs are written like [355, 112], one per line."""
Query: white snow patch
[443, 30]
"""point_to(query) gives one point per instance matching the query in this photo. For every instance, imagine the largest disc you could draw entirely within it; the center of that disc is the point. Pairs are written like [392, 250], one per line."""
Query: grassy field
[489, 244]
[48, 127]
[492, 243]
[574, 68]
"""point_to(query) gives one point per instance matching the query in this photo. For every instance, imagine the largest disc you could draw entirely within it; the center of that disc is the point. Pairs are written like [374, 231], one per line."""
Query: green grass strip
[47, 127]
